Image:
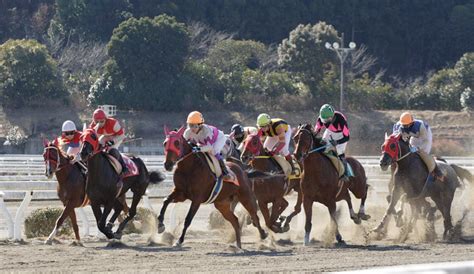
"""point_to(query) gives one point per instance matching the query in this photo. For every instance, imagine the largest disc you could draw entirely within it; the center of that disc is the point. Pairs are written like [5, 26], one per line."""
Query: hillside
[452, 130]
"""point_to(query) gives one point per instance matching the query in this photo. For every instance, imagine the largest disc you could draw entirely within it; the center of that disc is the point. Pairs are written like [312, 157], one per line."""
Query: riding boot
[290, 160]
[114, 152]
[438, 174]
[345, 177]
[225, 172]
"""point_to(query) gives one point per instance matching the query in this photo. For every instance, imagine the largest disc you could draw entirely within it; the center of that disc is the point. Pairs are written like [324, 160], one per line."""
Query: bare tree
[361, 61]
[203, 38]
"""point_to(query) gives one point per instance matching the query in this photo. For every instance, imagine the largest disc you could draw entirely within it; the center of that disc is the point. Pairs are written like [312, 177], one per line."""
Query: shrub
[42, 221]
[467, 99]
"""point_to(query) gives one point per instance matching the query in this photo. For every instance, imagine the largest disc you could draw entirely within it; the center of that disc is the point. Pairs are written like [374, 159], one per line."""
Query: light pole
[342, 53]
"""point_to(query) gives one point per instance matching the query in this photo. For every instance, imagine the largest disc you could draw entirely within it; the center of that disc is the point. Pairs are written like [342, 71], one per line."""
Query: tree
[304, 54]
[231, 55]
[147, 57]
[28, 74]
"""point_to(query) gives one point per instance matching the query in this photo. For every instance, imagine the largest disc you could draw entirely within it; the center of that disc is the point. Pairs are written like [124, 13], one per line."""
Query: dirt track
[210, 250]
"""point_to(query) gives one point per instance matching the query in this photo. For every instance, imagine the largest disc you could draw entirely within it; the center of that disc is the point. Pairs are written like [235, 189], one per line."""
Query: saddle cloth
[216, 169]
[132, 167]
[286, 167]
[339, 165]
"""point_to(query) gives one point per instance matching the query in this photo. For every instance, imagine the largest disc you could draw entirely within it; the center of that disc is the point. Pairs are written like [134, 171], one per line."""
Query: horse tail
[156, 177]
[462, 173]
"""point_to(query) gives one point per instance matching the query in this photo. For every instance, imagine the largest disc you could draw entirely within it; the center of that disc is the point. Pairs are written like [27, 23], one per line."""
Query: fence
[22, 179]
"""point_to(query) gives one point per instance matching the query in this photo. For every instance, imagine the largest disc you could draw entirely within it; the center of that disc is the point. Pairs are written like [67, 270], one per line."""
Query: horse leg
[308, 210]
[266, 215]
[101, 218]
[361, 213]
[187, 222]
[225, 210]
[66, 212]
[394, 197]
[161, 217]
[131, 213]
[123, 200]
[353, 215]
[75, 227]
[297, 208]
[332, 213]
[445, 209]
[247, 199]
[283, 205]
[118, 207]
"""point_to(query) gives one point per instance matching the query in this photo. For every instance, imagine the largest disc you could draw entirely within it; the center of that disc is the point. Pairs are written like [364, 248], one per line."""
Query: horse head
[252, 147]
[53, 158]
[305, 140]
[392, 149]
[90, 144]
[174, 146]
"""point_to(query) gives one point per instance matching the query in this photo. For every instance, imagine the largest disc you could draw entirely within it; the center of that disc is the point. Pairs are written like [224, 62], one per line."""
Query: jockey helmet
[263, 120]
[238, 130]
[406, 119]
[326, 113]
[68, 126]
[99, 114]
[195, 117]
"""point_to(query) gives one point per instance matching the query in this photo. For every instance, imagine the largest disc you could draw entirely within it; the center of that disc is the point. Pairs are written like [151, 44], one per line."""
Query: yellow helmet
[406, 119]
[195, 117]
[263, 120]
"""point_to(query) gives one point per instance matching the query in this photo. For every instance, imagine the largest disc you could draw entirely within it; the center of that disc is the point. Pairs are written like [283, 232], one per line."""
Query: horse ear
[45, 142]
[386, 136]
[293, 131]
[231, 135]
[166, 129]
[181, 130]
[84, 127]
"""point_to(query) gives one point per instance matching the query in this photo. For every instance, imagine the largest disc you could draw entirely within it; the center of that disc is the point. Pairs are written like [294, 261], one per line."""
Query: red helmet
[99, 114]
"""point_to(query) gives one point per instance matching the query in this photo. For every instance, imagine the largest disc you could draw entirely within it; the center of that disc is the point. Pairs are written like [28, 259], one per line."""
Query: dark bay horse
[411, 177]
[270, 188]
[255, 155]
[320, 182]
[194, 180]
[71, 187]
[102, 185]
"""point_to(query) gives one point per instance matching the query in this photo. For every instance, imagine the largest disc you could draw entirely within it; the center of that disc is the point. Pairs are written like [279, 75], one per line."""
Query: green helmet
[326, 112]
[263, 120]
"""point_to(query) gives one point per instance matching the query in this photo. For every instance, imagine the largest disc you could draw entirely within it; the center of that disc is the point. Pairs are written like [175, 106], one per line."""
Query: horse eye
[392, 146]
[94, 137]
[176, 143]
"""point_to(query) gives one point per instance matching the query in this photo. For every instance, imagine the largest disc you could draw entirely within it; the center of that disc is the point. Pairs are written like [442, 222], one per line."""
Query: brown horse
[194, 180]
[270, 188]
[320, 182]
[255, 155]
[71, 186]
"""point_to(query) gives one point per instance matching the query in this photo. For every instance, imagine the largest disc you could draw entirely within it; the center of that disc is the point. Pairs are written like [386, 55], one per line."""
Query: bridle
[305, 154]
[48, 160]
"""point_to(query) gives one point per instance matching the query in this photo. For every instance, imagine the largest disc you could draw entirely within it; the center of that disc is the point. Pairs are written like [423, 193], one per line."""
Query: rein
[304, 155]
[58, 155]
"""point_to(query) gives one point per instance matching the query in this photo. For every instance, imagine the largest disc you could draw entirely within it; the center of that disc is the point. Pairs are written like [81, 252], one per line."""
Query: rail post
[20, 215]
[7, 215]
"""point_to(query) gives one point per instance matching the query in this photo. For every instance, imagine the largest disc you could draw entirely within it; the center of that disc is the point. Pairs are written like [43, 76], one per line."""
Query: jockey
[70, 140]
[336, 132]
[240, 133]
[111, 134]
[421, 140]
[207, 138]
[278, 136]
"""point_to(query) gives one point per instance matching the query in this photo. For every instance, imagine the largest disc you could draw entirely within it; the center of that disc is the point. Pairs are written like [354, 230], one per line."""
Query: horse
[320, 181]
[194, 180]
[270, 188]
[104, 185]
[411, 177]
[71, 187]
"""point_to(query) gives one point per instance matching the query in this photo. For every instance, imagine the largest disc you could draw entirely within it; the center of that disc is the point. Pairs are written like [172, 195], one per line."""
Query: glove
[413, 149]
[109, 143]
[196, 149]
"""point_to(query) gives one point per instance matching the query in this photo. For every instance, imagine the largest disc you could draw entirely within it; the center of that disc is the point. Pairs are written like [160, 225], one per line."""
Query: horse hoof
[161, 228]
[363, 216]
[356, 220]
[118, 236]
[263, 235]
[48, 242]
[177, 244]
[286, 228]
[282, 218]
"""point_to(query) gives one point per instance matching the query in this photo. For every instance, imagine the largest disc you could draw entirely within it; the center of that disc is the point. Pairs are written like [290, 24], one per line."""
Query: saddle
[338, 164]
[132, 167]
[286, 167]
[216, 169]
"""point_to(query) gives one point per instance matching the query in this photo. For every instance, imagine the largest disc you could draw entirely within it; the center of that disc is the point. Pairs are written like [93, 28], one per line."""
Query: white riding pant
[328, 135]
[270, 143]
[423, 144]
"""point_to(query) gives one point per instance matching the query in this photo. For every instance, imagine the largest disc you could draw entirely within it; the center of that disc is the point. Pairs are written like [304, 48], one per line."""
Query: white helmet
[68, 126]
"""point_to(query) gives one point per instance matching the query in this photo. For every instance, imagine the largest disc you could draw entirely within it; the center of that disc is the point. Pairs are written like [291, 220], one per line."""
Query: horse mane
[317, 141]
